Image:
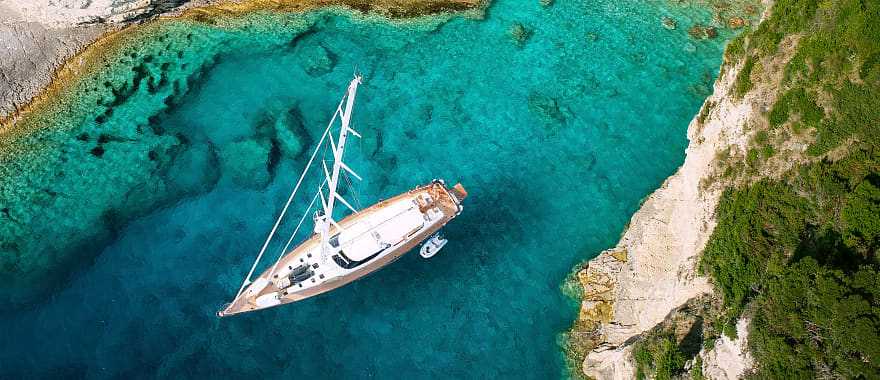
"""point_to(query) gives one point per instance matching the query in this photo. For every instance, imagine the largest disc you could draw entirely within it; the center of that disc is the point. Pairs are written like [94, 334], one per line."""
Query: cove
[557, 128]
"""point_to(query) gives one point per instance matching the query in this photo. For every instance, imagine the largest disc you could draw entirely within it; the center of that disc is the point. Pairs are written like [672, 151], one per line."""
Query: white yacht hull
[390, 228]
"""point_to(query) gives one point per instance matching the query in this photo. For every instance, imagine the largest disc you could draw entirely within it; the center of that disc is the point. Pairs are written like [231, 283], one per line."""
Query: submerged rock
[520, 34]
[548, 108]
[283, 132]
[317, 60]
[289, 134]
[245, 163]
[194, 170]
[668, 23]
[592, 36]
[711, 32]
[702, 32]
[68, 185]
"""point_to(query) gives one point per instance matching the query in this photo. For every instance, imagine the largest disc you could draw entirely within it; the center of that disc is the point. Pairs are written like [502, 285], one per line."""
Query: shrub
[658, 356]
[743, 83]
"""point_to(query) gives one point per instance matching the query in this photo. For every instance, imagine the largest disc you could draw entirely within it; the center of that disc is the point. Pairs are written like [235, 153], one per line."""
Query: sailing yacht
[339, 252]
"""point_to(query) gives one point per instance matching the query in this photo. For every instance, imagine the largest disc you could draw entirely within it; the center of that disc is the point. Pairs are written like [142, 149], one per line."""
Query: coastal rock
[728, 359]
[663, 242]
[609, 362]
[599, 283]
[65, 13]
[31, 52]
[736, 22]
[668, 23]
[38, 37]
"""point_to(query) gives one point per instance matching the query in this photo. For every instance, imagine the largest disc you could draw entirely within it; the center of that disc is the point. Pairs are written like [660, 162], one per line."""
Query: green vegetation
[697, 369]
[735, 48]
[819, 321]
[837, 58]
[758, 228]
[799, 253]
[743, 82]
[704, 111]
[662, 352]
[803, 252]
[659, 357]
[762, 145]
[796, 101]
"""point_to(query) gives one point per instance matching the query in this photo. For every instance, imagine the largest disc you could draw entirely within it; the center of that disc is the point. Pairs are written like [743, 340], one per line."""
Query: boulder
[736, 22]
[702, 32]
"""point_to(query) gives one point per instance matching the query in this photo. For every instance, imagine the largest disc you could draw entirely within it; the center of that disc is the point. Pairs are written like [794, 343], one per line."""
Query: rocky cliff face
[653, 269]
[630, 289]
[40, 36]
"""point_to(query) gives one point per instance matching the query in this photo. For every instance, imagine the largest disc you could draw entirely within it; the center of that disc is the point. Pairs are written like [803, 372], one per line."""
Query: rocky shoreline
[42, 36]
[653, 270]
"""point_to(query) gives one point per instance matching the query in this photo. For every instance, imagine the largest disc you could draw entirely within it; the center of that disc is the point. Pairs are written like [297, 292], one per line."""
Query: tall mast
[324, 220]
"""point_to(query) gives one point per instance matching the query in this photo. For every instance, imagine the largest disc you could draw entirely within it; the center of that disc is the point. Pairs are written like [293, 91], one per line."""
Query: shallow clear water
[556, 138]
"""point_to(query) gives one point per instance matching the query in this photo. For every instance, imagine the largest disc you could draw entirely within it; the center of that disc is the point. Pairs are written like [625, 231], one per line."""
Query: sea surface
[557, 129]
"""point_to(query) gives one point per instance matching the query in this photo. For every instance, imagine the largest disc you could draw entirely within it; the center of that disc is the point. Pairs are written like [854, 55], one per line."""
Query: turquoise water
[556, 136]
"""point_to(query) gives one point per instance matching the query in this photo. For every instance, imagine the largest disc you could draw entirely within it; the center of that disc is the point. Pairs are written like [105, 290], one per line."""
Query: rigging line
[357, 196]
[353, 191]
[295, 230]
[289, 200]
[281, 251]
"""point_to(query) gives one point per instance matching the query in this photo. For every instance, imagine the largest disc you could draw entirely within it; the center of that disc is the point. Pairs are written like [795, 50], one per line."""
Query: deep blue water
[557, 138]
